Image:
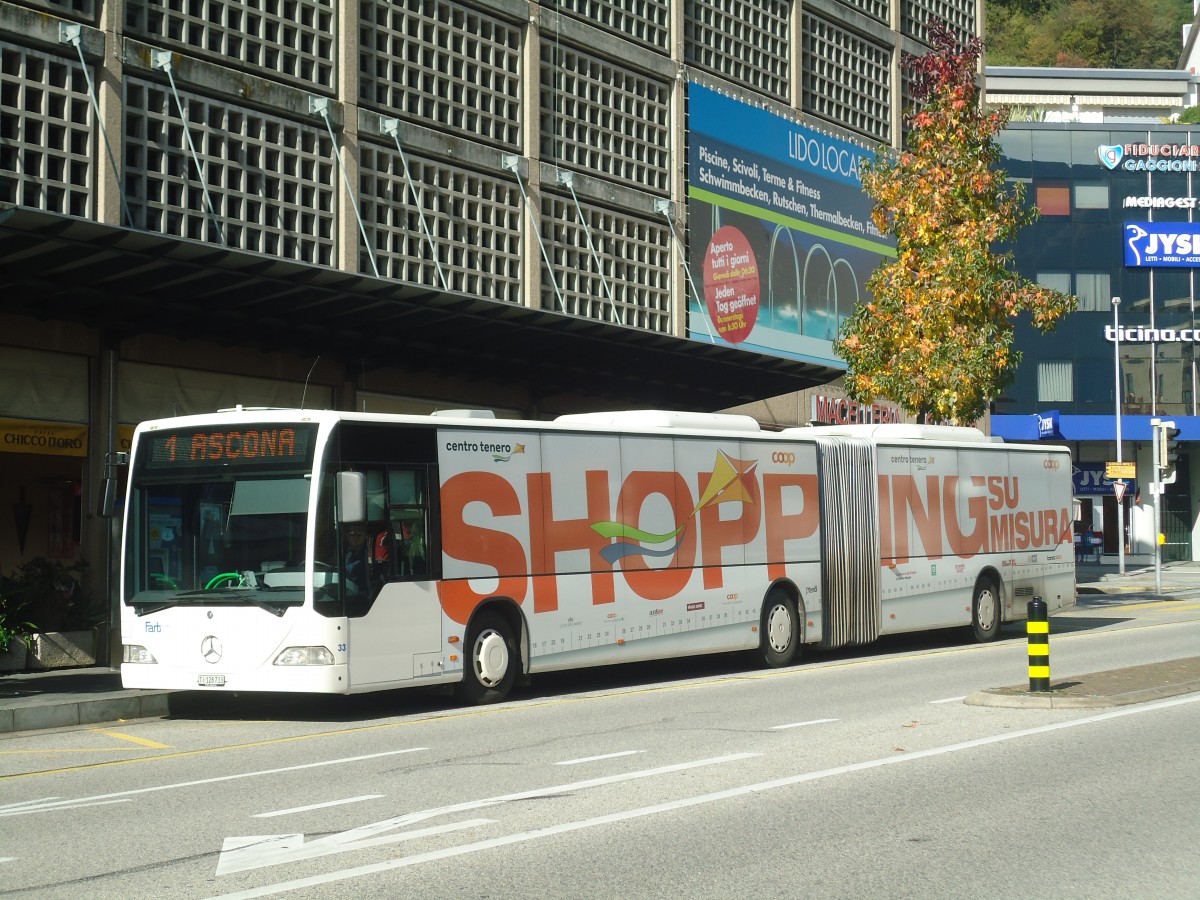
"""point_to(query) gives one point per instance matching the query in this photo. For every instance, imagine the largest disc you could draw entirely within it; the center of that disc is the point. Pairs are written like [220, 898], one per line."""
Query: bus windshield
[219, 518]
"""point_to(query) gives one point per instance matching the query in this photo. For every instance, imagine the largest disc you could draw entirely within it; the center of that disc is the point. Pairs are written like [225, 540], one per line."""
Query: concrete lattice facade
[481, 105]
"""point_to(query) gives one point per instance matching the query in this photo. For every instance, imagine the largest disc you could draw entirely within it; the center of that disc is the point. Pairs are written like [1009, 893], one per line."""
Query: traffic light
[1170, 443]
[1168, 450]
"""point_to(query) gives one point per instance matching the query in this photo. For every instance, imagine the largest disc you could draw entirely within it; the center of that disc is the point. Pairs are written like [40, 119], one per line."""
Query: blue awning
[1092, 428]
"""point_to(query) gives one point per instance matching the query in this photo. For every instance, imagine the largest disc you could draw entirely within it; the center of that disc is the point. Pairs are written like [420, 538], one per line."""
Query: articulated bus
[331, 552]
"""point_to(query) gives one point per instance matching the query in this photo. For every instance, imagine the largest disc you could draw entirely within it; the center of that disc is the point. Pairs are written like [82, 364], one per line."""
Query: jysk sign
[1048, 425]
[1162, 244]
[1089, 480]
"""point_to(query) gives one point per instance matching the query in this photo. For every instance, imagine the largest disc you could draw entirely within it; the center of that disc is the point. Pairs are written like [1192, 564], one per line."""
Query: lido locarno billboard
[781, 239]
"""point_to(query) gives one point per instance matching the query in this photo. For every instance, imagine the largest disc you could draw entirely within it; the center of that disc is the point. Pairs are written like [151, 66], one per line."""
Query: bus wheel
[985, 611]
[779, 630]
[492, 660]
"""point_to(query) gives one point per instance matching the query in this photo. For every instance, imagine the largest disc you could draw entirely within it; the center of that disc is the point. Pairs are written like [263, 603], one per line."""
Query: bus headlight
[136, 653]
[305, 656]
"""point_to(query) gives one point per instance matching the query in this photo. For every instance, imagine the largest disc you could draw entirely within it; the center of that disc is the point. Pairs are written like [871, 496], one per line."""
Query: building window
[1092, 288]
[1091, 196]
[1094, 291]
[1055, 381]
[1053, 199]
[1056, 281]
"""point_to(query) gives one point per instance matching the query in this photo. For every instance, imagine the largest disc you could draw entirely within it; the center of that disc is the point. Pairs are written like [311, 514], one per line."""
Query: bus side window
[408, 514]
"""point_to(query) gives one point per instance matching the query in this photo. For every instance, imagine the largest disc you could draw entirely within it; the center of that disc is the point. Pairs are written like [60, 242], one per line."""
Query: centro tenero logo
[499, 452]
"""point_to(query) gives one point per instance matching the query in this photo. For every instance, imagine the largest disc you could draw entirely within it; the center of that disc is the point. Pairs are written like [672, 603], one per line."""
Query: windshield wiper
[264, 604]
[150, 610]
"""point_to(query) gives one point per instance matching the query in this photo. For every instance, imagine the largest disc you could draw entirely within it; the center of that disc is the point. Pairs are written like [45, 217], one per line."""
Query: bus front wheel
[779, 630]
[492, 660]
[985, 611]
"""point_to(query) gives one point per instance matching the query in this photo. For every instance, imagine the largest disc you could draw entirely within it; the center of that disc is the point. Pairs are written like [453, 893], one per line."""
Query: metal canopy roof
[127, 282]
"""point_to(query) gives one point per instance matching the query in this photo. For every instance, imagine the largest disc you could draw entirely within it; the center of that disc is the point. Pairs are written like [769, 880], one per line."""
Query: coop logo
[1110, 155]
[787, 459]
[1162, 244]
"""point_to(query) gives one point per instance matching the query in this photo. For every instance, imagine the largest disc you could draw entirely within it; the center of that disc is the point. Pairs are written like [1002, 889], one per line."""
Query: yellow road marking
[145, 742]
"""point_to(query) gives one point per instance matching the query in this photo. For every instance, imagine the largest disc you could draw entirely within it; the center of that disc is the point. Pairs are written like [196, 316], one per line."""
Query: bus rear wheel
[985, 611]
[779, 630]
[490, 668]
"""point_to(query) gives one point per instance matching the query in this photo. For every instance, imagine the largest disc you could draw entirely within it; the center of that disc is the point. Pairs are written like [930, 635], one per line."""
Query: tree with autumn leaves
[936, 336]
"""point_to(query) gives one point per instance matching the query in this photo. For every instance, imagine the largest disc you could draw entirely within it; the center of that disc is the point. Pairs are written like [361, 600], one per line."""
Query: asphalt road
[851, 775]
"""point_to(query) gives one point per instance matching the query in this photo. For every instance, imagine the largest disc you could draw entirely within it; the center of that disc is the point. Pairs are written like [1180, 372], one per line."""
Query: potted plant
[49, 589]
[15, 638]
[51, 593]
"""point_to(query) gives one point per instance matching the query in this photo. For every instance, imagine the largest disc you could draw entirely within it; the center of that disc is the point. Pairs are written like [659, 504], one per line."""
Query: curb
[39, 714]
[1015, 698]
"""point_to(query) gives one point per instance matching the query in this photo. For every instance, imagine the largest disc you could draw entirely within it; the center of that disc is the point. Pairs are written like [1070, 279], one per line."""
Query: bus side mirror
[352, 496]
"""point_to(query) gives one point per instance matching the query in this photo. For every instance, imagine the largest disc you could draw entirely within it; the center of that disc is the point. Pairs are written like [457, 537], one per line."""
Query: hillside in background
[1093, 34]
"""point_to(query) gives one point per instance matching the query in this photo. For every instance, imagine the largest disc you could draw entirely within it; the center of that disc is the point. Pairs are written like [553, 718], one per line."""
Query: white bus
[495, 549]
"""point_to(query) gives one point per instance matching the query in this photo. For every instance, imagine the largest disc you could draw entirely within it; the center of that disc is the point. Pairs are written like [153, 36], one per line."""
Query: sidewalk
[59, 698]
[1104, 577]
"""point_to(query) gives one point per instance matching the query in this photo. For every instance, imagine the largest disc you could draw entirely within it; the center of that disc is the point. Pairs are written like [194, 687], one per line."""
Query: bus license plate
[210, 680]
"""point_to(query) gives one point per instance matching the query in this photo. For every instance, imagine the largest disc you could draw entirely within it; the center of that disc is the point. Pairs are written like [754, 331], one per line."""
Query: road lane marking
[145, 742]
[18, 809]
[21, 809]
[241, 853]
[588, 759]
[685, 802]
[948, 700]
[312, 806]
[801, 724]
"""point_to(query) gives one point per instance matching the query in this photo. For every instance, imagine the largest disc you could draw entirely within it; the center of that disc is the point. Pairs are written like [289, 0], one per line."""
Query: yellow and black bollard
[1038, 628]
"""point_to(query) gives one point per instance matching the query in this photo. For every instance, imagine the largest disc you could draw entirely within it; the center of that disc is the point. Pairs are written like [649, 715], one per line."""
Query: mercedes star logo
[210, 649]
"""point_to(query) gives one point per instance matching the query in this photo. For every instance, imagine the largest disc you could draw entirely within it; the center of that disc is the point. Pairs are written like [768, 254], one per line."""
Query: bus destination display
[256, 446]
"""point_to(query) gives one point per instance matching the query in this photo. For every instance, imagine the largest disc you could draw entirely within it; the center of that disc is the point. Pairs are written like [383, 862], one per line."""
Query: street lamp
[1116, 305]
